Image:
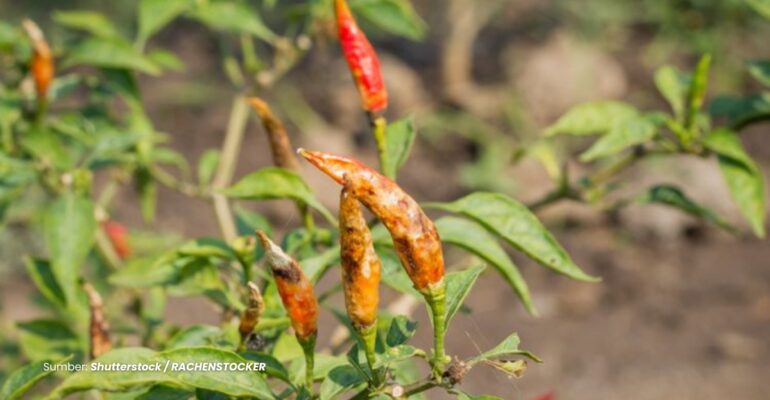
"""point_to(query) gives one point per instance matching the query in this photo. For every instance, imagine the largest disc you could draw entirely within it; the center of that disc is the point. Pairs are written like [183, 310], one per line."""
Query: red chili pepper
[42, 65]
[414, 235]
[360, 264]
[118, 235]
[100, 328]
[295, 289]
[362, 60]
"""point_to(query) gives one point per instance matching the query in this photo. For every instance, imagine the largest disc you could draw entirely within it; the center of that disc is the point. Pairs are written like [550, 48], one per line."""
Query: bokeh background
[683, 311]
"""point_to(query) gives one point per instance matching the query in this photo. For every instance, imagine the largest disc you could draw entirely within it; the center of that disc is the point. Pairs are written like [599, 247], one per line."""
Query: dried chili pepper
[362, 60]
[360, 271]
[99, 328]
[298, 298]
[42, 65]
[250, 316]
[414, 234]
[280, 145]
[118, 236]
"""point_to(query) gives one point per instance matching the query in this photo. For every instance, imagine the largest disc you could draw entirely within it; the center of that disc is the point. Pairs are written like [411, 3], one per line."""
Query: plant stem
[379, 125]
[369, 339]
[308, 347]
[224, 174]
[421, 387]
[435, 295]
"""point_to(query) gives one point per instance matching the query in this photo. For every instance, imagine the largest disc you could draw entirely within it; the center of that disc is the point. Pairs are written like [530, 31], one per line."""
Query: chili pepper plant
[72, 114]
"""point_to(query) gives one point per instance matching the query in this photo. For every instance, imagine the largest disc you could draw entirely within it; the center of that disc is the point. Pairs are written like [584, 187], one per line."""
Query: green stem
[379, 125]
[435, 295]
[369, 338]
[308, 347]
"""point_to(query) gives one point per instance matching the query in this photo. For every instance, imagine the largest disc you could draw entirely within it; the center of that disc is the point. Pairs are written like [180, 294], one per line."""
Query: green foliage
[24, 378]
[400, 138]
[394, 16]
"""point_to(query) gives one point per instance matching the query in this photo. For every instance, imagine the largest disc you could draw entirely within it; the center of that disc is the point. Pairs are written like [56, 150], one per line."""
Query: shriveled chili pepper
[280, 145]
[362, 60]
[250, 316]
[360, 271]
[118, 236]
[414, 234]
[99, 327]
[42, 66]
[298, 298]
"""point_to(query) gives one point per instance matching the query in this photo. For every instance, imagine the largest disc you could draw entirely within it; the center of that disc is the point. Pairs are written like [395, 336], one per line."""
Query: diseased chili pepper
[360, 271]
[280, 145]
[99, 328]
[362, 60]
[298, 298]
[42, 65]
[414, 234]
[250, 316]
[118, 235]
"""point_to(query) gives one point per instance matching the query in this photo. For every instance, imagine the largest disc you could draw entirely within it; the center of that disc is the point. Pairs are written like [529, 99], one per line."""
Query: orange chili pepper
[360, 264]
[414, 235]
[118, 235]
[100, 328]
[42, 65]
[295, 289]
[362, 60]
[283, 153]
[250, 316]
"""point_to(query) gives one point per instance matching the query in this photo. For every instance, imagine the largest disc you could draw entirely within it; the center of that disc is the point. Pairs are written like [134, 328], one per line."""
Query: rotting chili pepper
[42, 65]
[99, 328]
[360, 271]
[118, 235]
[414, 235]
[250, 316]
[298, 298]
[280, 145]
[362, 60]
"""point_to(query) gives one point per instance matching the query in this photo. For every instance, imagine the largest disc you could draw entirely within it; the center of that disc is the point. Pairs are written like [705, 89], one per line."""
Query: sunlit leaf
[514, 222]
[400, 137]
[761, 6]
[88, 21]
[626, 134]
[21, 380]
[760, 70]
[672, 84]
[207, 165]
[232, 16]
[508, 347]
[474, 238]
[110, 53]
[697, 91]
[458, 286]
[41, 273]
[155, 14]
[394, 16]
[592, 118]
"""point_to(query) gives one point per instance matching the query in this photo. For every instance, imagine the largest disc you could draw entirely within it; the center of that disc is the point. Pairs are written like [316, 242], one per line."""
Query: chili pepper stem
[435, 295]
[369, 339]
[308, 347]
[379, 125]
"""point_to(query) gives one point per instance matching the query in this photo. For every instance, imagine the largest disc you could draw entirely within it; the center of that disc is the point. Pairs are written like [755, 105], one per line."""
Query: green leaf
[41, 273]
[88, 21]
[515, 223]
[276, 183]
[400, 138]
[69, 229]
[155, 14]
[166, 60]
[207, 165]
[231, 383]
[592, 118]
[396, 354]
[508, 347]
[697, 91]
[458, 286]
[622, 136]
[474, 238]
[207, 247]
[761, 6]
[400, 331]
[742, 176]
[199, 335]
[21, 380]
[340, 380]
[674, 197]
[43, 339]
[760, 70]
[148, 193]
[233, 17]
[741, 111]
[110, 53]
[393, 273]
[273, 367]
[673, 84]
[394, 16]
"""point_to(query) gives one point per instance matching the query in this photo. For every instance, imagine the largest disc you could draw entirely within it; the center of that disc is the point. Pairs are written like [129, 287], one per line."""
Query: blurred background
[683, 311]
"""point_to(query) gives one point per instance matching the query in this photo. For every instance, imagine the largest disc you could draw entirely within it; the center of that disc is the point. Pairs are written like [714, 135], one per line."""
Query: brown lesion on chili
[99, 327]
[290, 275]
